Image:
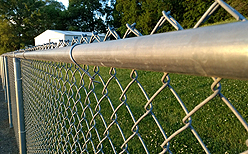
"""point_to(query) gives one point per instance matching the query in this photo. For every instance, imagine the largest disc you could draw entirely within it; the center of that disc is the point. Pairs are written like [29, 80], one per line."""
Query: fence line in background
[60, 105]
[7, 89]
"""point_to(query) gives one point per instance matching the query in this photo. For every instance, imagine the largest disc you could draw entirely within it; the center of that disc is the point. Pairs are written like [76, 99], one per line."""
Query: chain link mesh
[72, 108]
[67, 112]
[13, 97]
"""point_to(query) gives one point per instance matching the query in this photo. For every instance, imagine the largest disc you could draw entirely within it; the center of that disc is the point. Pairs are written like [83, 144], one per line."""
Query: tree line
[22, 20]
[146, 13]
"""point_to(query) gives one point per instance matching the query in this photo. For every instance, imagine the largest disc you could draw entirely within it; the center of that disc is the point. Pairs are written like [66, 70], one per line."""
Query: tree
[25, 19]
[7, 38]
[22, 15]
[86, 15]
[52, 16]
[146, 13]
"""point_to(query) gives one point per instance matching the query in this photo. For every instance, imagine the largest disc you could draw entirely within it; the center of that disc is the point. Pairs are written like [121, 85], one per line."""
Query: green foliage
[146, 13]
[22, 20]
[52, 16]
[7, 39]
[85, 15]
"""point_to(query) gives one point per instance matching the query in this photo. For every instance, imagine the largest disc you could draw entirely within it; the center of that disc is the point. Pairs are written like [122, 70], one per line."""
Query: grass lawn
[68, 91]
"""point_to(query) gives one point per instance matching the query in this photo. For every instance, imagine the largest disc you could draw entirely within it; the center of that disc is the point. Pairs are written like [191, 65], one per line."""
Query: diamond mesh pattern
[67, 112]
[72, 108]
[13, 97]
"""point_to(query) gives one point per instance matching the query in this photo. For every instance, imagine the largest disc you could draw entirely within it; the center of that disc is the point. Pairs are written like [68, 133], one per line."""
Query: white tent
[56, 35]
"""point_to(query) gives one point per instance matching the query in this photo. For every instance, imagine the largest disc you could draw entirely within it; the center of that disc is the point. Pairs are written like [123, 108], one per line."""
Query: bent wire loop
[73, 60]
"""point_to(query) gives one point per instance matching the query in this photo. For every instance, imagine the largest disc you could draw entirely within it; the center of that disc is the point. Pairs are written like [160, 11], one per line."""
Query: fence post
[19, 106]
[7, 90]
[3, 77]
[2, 73]
[4, 82]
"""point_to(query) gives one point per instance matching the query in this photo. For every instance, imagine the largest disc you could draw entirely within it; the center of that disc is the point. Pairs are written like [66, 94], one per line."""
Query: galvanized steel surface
[19, 106]
[12, 96]
[69, 108]
[6, 84]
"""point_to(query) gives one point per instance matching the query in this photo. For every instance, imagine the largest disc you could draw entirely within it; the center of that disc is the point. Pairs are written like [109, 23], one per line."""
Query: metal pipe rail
[214, 51]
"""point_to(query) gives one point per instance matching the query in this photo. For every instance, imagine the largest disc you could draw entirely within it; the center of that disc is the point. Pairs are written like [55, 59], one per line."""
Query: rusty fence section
[118, 97]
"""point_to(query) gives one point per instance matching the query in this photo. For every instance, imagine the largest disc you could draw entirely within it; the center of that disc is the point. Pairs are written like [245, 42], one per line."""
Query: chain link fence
[76, 108]
[12, 95]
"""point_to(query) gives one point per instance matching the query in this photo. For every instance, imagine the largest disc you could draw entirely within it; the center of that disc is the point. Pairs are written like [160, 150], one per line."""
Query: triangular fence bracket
[111, 31]
[63, 43]
[84, 39]
[170, 19]
[94, 37]
[214, 7]
[131, 29]
[74, 40]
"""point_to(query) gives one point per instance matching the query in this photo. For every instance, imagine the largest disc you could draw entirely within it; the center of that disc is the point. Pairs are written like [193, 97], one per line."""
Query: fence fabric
[76, 108]
[13, 96]
[67, 112]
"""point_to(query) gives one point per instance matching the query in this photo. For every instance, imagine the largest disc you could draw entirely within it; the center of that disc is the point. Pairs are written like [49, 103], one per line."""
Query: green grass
[215, 123]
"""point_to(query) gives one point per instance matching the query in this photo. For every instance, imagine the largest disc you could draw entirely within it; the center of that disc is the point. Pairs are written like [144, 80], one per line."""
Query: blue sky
[65, 2]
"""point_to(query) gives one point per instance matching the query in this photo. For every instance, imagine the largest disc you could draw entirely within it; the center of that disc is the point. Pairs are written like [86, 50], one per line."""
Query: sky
[65, 2]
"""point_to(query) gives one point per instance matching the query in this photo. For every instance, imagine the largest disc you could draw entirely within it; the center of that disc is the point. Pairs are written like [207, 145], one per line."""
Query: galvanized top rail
[219, 51]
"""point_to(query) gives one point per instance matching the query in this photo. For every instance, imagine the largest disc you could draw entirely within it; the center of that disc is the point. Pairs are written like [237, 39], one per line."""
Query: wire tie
[73, 60]
[22, 132]
[23, 54]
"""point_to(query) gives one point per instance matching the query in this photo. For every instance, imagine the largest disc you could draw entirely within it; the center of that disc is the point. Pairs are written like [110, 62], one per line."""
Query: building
[56, 35]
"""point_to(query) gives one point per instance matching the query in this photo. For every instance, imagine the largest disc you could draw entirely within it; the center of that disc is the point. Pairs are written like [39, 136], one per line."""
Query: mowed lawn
[216, 124]
[218, 127]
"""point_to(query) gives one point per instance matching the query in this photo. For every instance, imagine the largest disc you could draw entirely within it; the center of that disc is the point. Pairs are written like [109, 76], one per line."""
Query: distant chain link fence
[72, 108]
[13, 96]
